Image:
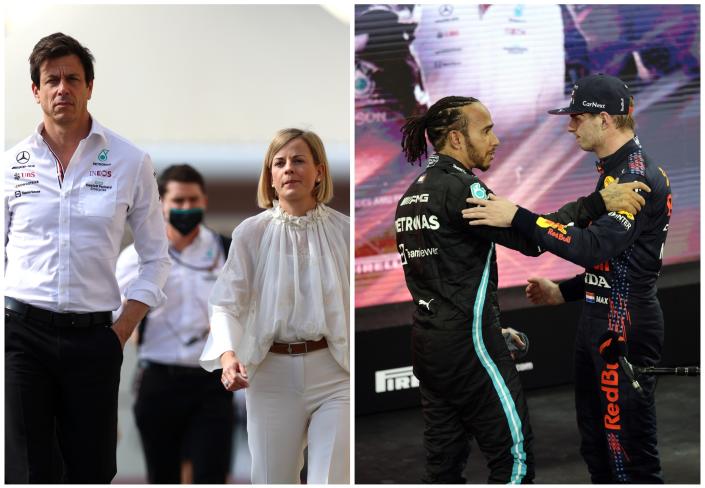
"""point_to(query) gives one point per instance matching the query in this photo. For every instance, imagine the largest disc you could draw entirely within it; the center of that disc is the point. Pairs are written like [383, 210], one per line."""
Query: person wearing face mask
[280, 318]
[182, 411]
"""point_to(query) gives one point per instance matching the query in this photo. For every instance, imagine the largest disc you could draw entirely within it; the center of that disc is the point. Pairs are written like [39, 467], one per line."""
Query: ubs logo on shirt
[25, 174]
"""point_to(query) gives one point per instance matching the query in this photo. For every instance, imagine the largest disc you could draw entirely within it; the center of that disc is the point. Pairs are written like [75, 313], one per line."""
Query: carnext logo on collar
[433, 159]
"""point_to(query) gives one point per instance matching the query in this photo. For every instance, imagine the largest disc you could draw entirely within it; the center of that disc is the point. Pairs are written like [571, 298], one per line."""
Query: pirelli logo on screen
[395, 379]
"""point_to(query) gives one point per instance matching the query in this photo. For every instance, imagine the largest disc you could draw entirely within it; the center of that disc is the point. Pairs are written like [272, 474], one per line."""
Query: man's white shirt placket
[65, 204]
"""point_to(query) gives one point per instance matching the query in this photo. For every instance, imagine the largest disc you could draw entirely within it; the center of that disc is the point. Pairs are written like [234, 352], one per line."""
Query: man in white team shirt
[511, 57]
[182, 411]
[70, 188]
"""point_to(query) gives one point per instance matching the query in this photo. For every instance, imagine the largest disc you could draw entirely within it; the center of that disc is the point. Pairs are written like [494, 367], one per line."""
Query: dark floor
[388, 446]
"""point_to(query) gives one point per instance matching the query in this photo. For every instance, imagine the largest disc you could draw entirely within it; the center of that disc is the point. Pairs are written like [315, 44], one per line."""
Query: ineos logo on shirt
[22, 157]
[106, 173]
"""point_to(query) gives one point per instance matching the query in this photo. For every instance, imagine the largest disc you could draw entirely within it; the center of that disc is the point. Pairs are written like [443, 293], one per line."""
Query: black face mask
[185, 220]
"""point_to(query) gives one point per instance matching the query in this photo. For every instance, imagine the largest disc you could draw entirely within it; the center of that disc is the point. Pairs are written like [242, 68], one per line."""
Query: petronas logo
[103, 155]
[478, 191]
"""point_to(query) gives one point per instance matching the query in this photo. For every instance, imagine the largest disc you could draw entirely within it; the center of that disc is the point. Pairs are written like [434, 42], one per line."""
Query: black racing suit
[469, 384]
[622, 255]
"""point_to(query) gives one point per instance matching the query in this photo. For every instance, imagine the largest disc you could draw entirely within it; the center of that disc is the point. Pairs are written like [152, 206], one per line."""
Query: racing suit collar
[608, 164]
[438, 160]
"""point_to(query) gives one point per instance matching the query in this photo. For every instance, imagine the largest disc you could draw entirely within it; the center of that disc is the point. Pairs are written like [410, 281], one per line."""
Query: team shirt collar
[447, 162]
[97, 130]
[607, 164]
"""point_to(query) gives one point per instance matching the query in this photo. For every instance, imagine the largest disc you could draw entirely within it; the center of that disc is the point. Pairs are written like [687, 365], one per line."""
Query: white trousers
[293, 401]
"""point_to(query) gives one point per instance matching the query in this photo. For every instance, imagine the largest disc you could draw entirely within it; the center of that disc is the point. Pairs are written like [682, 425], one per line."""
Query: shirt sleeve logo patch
[549, 224]
[626, 214]
[478, 191]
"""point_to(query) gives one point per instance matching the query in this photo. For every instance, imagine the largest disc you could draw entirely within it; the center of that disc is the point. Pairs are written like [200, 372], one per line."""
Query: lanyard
[210, 268]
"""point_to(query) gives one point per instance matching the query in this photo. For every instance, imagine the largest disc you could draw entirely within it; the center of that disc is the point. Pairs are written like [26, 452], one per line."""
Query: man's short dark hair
[55, 46]
[183, 173]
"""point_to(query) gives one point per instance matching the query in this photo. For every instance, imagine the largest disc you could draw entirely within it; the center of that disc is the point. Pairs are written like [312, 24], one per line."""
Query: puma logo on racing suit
[426, 304]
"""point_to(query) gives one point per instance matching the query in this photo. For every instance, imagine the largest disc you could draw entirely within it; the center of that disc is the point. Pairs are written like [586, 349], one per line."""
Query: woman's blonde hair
[322, 192]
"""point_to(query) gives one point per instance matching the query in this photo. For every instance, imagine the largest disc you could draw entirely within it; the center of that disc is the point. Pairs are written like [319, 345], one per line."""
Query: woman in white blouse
[280, 321]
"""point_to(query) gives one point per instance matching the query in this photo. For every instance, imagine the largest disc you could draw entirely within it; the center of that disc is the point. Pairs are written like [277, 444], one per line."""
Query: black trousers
[479, 395]
[618, 425]
[61, 387]
[184, 413]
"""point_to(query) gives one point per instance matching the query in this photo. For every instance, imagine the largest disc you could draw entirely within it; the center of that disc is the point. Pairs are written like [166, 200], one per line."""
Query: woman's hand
[234, 374]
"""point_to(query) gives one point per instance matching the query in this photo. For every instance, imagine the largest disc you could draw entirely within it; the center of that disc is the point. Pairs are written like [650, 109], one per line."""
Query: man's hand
[542, 291]
[495, 212]
[623, 196]
[515, 338]
[234, 374]
[132, 313]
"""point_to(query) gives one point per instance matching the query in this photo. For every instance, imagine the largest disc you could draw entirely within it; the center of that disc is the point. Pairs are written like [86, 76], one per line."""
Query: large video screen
[519, 61]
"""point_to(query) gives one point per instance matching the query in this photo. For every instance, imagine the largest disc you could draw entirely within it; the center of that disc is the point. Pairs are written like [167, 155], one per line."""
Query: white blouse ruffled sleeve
[229, 301]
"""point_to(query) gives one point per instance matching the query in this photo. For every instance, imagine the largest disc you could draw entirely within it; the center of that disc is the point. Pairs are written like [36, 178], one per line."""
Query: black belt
[58, 319]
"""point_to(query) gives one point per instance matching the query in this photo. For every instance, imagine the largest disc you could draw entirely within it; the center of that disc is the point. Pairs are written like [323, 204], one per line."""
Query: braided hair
[442, 117]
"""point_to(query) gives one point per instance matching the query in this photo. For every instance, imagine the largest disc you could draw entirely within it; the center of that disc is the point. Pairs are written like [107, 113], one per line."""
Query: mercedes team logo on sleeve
[22, 157]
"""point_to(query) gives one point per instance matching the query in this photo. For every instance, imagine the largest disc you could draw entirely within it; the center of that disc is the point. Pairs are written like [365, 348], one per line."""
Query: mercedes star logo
[445, 10]
[22, 157]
